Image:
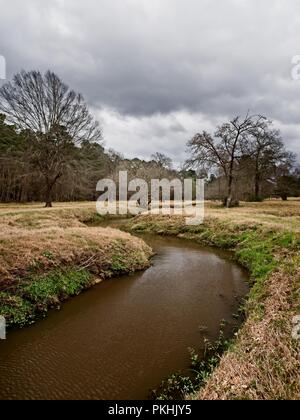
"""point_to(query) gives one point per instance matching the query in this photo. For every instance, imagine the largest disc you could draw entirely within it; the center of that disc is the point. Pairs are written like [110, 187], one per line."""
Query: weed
[178, 386]
[16, 310]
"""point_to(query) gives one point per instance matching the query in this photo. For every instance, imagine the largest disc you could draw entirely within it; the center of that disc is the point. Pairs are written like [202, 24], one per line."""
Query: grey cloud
[158, 58]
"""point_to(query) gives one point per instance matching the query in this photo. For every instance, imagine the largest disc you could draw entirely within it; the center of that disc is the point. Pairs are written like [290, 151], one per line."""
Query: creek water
[119, 339]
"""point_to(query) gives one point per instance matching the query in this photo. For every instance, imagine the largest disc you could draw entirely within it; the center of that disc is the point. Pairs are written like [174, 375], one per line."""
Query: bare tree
[224, 150]
[55, 118]
[162, 160]
[267, 152]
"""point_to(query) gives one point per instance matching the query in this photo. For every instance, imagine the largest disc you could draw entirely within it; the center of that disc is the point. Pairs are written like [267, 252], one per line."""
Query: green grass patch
[119, 263]
[41, 293]
[54, 286]
[16, 310]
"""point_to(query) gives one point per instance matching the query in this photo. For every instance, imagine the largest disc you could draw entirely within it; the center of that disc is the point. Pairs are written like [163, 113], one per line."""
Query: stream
[119, 339]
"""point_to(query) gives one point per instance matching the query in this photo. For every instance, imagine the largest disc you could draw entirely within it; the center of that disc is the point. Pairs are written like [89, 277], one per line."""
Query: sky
[155, 72]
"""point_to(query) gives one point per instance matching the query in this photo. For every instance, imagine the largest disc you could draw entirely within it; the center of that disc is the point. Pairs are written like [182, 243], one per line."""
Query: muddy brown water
[119, 339]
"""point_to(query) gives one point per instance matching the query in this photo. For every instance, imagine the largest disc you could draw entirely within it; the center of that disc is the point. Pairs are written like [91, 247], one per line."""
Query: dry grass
[271, 213]
[25, 217]
[45, 249]
[40, 207]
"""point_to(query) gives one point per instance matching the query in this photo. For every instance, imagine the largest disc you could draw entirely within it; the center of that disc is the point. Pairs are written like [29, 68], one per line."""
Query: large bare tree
[223, 150]
[55, 118]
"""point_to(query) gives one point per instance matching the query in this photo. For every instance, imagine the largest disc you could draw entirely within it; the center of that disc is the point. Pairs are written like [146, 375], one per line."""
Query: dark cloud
[163, 67]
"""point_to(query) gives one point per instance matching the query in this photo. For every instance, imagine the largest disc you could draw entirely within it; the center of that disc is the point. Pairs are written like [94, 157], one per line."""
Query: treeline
[22, 181]
[51, 146]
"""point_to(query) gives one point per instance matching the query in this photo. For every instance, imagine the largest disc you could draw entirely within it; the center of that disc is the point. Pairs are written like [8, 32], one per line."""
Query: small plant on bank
[16, 310]
[48, 254]
[178, 385]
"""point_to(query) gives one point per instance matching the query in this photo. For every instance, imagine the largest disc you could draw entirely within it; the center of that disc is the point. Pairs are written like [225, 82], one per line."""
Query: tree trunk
[48, 195]
[257, 186]
[257, 179]
[229, 191]
[49, 189]
[50, 182]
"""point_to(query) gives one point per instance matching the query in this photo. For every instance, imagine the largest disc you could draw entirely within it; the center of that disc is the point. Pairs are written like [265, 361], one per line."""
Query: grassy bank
[48, 256]
[264, 361]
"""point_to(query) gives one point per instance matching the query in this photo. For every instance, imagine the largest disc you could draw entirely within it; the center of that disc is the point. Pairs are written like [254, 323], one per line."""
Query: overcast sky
[157, 71]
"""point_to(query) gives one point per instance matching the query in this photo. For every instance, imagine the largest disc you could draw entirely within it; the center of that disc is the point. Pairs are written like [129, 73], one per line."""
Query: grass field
[50, 254]
[269, 213]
